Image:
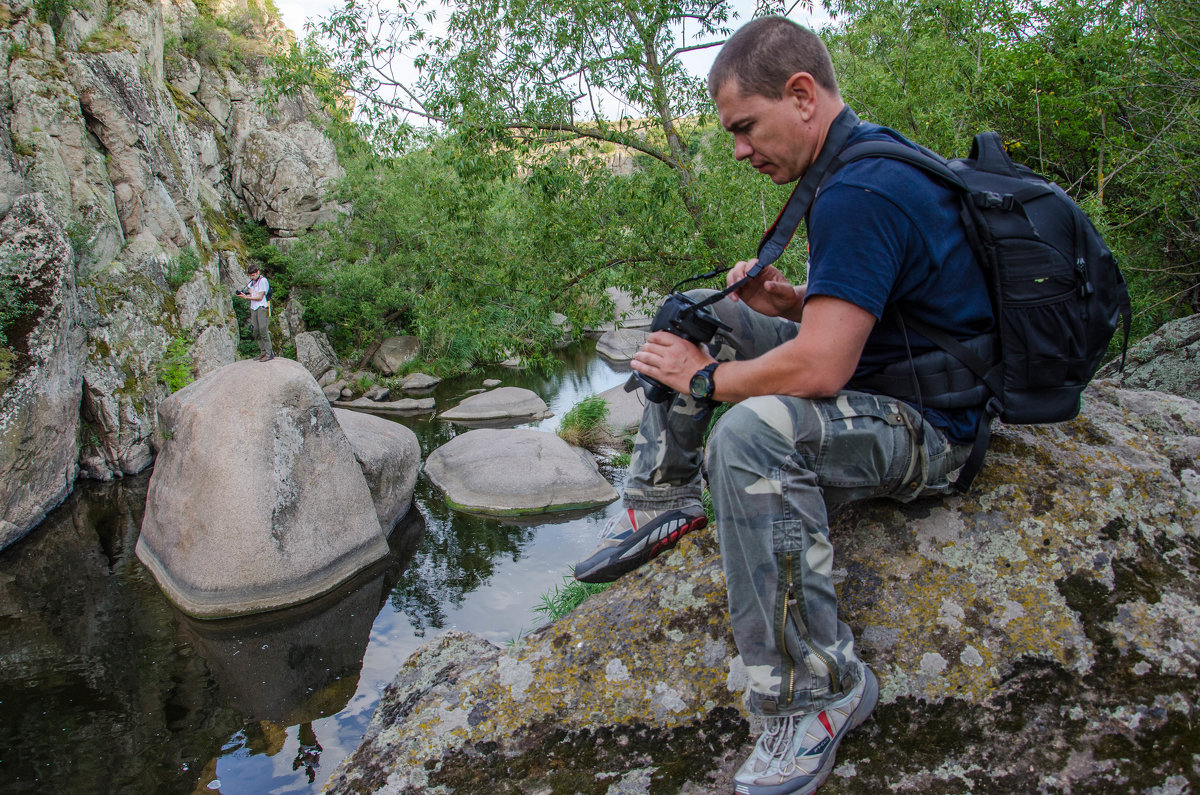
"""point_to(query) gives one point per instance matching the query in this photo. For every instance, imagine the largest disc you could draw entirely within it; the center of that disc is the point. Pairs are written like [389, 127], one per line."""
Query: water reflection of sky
[469, 574]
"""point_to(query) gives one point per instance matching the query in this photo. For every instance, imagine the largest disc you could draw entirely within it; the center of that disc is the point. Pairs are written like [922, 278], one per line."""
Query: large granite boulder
[505, 403]
[1167, 360]
[1038, 634]
[314, 351]
[390, 457]
[256, 501]
[283, 172]
[395, 352]
[516, 472]
[39, 400]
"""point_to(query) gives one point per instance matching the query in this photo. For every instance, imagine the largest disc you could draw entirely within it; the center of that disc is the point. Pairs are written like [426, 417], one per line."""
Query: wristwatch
[702, 385]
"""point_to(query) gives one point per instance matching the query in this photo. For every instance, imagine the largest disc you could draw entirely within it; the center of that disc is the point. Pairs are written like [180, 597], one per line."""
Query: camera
[684, 318]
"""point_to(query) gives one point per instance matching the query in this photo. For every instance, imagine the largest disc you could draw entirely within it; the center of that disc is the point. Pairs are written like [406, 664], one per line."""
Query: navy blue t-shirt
[882, 233]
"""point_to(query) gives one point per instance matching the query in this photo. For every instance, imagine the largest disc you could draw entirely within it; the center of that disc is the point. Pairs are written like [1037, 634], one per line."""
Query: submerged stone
[515, 472]
[504, 403]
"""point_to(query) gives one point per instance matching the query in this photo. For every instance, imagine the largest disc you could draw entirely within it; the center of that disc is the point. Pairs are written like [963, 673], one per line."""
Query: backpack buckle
[990, 200]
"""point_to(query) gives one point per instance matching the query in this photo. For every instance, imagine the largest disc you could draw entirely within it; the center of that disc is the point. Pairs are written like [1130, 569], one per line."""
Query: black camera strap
[780, 233]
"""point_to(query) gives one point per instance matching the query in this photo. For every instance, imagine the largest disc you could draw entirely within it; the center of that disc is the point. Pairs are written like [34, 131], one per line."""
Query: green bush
[583, 425]
[182, 268]
[212, 43]
[175, 369]
[55, 11]
[247, 345]
[12, 304]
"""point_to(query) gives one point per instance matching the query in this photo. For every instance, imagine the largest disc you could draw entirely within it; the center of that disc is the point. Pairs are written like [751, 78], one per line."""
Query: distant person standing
[260, 312]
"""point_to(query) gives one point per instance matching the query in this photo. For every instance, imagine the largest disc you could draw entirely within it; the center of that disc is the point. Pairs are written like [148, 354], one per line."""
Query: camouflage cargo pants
[775, 465]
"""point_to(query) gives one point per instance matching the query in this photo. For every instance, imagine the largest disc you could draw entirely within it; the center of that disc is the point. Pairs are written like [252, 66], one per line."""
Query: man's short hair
[253, 270]
[765, 52]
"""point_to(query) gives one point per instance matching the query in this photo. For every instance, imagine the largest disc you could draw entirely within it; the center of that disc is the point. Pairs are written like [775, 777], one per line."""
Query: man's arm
[815, 364]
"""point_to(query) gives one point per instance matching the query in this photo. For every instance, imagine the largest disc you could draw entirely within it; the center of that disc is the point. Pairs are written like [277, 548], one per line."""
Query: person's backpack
[1057, 293]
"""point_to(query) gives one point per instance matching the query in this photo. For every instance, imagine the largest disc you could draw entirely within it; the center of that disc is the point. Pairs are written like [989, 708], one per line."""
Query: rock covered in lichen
[39, 391]
[1038, 634]
[1167, 360]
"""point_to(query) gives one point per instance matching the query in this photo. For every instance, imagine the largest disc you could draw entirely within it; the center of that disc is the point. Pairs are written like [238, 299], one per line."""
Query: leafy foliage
[247, 346]
[515, 81]
[182, 268]
[566, 149]
[13, 305]
[175, 369]
[55, 12]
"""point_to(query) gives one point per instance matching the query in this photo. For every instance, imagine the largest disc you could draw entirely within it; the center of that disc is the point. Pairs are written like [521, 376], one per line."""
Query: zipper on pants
[789, 666]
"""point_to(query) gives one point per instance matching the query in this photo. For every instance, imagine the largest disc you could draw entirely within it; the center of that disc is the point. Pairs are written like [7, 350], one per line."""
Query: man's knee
[755, 433]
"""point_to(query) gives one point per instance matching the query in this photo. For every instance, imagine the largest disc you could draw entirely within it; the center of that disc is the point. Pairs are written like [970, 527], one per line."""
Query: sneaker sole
[858, 717]
[609, 565]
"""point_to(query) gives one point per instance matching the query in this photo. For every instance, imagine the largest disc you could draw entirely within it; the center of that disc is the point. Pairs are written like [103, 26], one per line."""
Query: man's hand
[769, 293]
[670, 360]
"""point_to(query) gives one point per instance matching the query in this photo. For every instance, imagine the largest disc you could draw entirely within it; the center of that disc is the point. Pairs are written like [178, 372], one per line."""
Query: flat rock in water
[401, 406]
[507, 402]
[419, 382]
[622, 344]
[513, 472]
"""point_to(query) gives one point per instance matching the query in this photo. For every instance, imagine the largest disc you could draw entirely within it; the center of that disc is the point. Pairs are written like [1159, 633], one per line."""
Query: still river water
[106, 688]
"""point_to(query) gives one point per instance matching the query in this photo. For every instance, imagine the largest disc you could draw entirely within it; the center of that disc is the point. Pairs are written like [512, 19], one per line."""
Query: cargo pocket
[865, 444]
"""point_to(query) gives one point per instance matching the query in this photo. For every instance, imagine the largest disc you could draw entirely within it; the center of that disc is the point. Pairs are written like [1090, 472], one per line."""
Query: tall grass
[565, 598]
[583, 425]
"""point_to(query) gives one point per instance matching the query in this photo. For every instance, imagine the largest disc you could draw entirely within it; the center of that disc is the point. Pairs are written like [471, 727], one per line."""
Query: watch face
[701, 385]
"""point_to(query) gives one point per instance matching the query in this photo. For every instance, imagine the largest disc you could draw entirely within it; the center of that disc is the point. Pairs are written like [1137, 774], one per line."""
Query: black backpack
[1057, 293]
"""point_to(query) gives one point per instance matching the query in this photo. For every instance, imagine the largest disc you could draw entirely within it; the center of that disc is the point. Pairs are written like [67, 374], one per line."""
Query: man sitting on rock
[260, 312]
[796, 441]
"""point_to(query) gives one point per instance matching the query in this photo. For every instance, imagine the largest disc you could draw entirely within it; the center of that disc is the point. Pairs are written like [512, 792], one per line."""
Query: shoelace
[777, 742]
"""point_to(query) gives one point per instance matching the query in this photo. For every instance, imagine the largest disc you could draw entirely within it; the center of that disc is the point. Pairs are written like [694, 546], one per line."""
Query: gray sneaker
[796, 753]
[633, 538]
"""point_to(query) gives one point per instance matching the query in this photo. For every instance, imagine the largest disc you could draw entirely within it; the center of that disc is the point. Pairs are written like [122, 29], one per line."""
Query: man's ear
[802, 89]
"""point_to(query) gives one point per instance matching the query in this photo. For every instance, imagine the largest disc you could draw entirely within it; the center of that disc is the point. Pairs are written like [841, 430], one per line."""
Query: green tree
[512, 209]
[525, 79]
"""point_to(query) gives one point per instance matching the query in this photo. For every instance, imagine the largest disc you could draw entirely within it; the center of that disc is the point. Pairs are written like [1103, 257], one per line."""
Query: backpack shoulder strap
[922, 158]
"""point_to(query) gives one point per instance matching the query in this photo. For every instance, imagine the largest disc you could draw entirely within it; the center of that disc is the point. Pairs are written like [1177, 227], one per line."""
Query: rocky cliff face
[126, 168]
